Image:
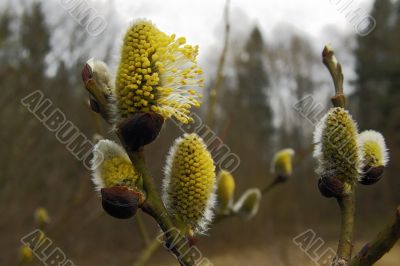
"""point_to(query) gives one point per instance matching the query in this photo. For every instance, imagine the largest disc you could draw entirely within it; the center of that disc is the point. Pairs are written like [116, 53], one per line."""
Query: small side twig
[142, 229]
[212, 100]
[146, 254]
[273, 184]
[383, 242]
[335, 69]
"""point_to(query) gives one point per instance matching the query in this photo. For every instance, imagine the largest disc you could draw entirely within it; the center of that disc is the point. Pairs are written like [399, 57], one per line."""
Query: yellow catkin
[189, 182]
[248, 204]
[374, 149]
[115, 169]
[157, 72]
[337, 149]
[282, 163]
[41, 216]
[118, 171]
[25, 255]
[225, 189]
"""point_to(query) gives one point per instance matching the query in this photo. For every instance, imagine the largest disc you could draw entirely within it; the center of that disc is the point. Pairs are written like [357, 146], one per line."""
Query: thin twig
[212, 100]
[269, 187]
[335, 69]
[146, 254]
[383, 242]
[142, 229]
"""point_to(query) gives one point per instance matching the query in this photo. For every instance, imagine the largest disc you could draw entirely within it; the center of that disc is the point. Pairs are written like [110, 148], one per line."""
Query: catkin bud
[375, 156]
[282, 165]
[121, 202]
[225, 190]
[189, 182]
[116, 168]
[248, 204]
[116, 179]
[41, 217]
[330, 187]
[97, 80]
[337, 149]
[25, 255]
[140, 129]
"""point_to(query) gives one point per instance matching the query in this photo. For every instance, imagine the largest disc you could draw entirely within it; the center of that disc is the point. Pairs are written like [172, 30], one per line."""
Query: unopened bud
[372, 175]
[140, 129]
[41, 216]
[282, 165]
[25, 255]
[375, 156]
[121, 202]
[330, 187]
[225, 190]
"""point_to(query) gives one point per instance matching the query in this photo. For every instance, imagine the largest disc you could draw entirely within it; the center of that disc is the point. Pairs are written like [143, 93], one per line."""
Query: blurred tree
[373, 57]
[248, 113]
[5, 31]
[35, 40]
[377, 85]
[253, 107]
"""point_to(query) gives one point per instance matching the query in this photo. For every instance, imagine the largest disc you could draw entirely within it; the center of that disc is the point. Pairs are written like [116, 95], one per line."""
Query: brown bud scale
[121, 202]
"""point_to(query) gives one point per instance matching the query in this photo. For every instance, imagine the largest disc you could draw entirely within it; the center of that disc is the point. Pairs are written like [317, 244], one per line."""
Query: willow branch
[212, 100]
[154, 207]
[154, 245]
[345, 246]
[383, 242]
[153, 204]
[335, 69]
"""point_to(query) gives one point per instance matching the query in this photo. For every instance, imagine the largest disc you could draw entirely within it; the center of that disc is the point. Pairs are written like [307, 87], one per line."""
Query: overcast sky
[198, 19]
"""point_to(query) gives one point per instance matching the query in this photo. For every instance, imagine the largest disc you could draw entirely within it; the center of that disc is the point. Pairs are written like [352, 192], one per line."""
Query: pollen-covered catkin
[189, 182]
[158, 73]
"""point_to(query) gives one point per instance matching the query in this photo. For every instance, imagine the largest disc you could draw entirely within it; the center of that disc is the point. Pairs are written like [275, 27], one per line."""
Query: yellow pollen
[153, 73]
[118, 171]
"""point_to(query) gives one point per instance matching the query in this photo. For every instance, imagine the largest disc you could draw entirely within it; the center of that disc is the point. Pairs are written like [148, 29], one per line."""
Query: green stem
[142, 229]
[345, 246]
[269, 187]
[146, 254]
[383, 242]
[154, 207]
